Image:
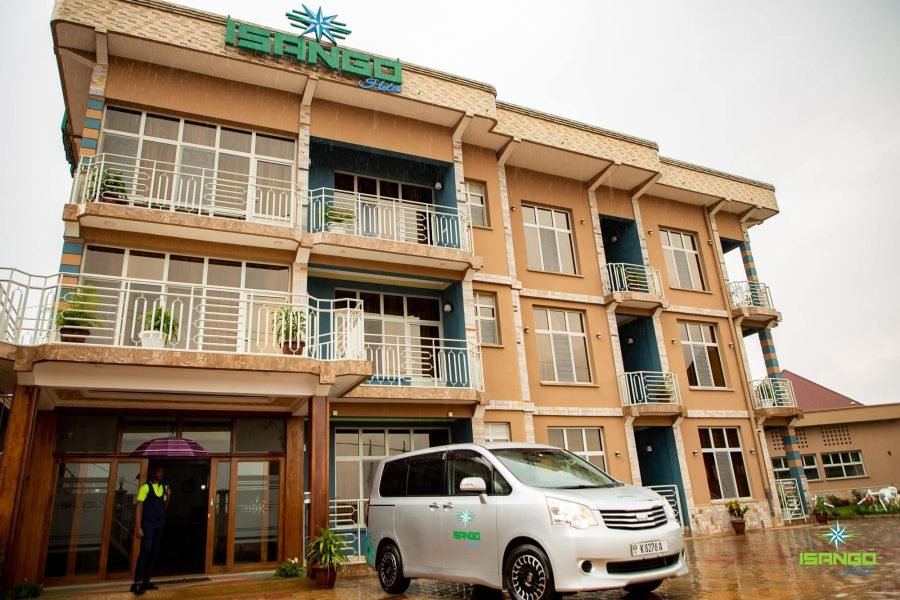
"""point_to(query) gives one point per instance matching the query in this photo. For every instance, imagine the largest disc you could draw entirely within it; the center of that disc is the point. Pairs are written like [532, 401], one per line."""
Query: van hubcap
[528, 578]
[388, 568]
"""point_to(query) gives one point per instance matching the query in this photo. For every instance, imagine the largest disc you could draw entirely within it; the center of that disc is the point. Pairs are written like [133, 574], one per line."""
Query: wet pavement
[763, 564]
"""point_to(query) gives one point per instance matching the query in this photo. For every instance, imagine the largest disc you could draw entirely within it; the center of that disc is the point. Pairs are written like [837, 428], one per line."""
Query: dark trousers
[149, 551]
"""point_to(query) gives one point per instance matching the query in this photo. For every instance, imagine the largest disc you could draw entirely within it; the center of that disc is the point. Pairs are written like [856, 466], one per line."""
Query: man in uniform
[152, 501]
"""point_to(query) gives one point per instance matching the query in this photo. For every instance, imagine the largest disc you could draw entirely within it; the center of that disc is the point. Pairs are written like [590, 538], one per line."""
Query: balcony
[650, 393]
[151, 331]
[773, 397]
[751, 301]
[635, 286]
[152, 196]
[388, 229]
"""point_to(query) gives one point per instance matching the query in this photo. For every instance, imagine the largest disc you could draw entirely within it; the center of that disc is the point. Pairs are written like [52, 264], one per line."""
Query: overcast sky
[804, 95]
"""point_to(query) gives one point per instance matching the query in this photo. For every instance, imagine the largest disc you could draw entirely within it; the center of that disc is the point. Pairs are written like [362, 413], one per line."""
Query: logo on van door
[473, 537]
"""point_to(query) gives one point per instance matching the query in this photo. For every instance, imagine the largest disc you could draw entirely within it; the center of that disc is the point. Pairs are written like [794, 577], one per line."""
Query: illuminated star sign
[465, 517]
[318, 24]
[837, 535]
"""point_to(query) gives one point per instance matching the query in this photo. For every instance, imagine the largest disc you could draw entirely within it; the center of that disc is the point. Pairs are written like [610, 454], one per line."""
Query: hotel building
[305, 258]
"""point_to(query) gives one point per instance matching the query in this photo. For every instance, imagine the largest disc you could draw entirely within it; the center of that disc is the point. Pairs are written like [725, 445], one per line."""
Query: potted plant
[662, 391]
[159, 328]
[326, 552]
[337, 218]
[737, 513]
[290, 568]
[820, 510]
[635, 280]
[765, 394]
[290, 324]
[110, 186]
[75, 315]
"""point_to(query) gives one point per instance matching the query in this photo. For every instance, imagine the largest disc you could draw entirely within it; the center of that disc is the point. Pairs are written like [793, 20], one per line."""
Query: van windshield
[549, 468]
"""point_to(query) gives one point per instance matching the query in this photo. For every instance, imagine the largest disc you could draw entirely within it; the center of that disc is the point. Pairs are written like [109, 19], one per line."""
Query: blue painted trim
[789, 439]
[73, 248]
[92, 124]
[793, 454]
[374, 272]
[88, 143]
[95, 104]
[69, 269]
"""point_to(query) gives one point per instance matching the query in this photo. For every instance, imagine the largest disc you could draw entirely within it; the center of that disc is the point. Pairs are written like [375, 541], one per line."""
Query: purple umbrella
[171, 447]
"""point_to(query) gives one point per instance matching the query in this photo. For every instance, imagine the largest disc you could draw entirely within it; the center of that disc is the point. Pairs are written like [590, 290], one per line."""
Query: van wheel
[389, 566]
[636, 590]
[528, 575]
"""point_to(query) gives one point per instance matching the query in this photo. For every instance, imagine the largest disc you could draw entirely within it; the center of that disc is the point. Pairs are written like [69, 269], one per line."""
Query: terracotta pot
[821, 518]
[293, 348]
[740, 526]
[74, 335]
[324, 576]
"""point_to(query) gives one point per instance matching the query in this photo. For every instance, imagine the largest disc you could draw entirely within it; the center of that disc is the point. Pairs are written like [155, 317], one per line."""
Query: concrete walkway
[762, 565]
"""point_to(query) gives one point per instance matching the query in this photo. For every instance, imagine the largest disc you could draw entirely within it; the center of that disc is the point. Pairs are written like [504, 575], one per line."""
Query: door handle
[448, 506]
[434, 506]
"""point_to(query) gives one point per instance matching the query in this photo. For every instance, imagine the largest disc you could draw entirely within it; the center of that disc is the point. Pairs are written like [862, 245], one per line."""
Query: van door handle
[434, 506]
[448, 506]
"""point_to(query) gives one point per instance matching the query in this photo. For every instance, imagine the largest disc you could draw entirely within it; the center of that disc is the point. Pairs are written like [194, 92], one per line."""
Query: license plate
[645, 548]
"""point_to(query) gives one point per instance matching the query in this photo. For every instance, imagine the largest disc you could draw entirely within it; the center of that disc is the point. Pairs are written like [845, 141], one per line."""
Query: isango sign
[377, 72]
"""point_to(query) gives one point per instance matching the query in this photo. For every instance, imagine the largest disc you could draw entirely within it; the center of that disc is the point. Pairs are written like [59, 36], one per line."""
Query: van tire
[389, 567]
[528, 576]
[636, 590]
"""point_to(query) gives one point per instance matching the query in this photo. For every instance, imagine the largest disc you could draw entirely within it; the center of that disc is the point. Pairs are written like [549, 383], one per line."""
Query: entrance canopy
[170, 447]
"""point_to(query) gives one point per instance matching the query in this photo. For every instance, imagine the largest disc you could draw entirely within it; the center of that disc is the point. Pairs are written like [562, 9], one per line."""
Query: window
[404, 221]
[393, 478]
[780, 467]
[477, 206]
[486, 316]
[426, 476]
[562, 346]
[843, 464]
[468, 463]
[586, 442]
[724, 462]
[701, 355]
[682, 260]
[496, 432]
[810, 467]
[548, 240]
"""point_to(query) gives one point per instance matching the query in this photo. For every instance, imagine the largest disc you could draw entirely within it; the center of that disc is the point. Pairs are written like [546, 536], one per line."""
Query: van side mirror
[473, 485]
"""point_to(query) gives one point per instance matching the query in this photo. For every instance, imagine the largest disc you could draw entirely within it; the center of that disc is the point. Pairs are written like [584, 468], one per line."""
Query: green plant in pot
[109, 187]
[635, 279]
[337, 217]
[820, 510]
[326, 552]
[160, 328]
[765, 392]
[76, 315]
[737, 513]
[662, 391]
[290, 325]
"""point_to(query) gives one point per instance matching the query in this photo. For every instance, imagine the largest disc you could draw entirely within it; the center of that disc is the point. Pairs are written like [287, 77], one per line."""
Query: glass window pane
[199, 133]
[268, 277]
[346, 479]
[579, 354]
[676, 240]
[545, 357]
[549, 251]
[561, 219]
[426, 309]
[161, 127]
[688, 354]
[224, 273]
[186, 269]
[555, 437]
[221, 506]
[426, 476]
[259, 435]
[121, 532]
[393, 479]
[122, 119]
[541, 319]
[213, 434]
[274, 146]
[233, 139]
[705, 441]
[430, 438]
[487, 330]
[712, 477]
[119, 145]
[346, 443]
[566, 253]
[533, 248]
[574, 320]
[372, 443]
[146, 265]
[371, 302]
[715, 364]
[393, 305]
[399, 442]
[718, 437]
[557, 320]
[593, 439]
[544, 217]
[529, 216]
[389, 189]
[574, 440]
[104, 261]
[478, 215]
[344, 182]
[256, 514]
[86, 433]
[137, 431]
[732, 435]
[740, 474]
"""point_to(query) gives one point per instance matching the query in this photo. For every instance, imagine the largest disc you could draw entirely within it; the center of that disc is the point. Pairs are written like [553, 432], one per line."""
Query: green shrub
[290, 568]
[26, 590]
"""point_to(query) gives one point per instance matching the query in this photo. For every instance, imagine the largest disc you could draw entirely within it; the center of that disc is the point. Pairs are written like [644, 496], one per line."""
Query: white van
[532, 519]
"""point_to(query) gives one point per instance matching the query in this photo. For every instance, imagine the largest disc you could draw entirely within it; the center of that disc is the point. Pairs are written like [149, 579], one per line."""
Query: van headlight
[573, 514]
[670, 512]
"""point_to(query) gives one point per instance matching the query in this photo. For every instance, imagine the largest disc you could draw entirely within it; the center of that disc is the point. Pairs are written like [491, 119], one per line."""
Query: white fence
[385, 218]
[624, 277]
[772, 392]
[423, 362]
[750, 294]
[649, 387]
[111, 311]
[160, 185]
[673, 497]
[789, 499]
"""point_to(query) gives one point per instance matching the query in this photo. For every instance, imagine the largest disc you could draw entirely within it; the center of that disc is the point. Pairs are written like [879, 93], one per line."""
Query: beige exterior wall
[481, 165]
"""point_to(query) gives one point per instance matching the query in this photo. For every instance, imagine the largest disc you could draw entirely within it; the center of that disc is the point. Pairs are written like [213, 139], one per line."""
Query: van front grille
[634, 519]
[636, 566]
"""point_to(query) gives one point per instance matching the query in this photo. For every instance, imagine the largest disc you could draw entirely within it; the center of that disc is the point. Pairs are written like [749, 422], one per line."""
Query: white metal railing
[649, 387]
[789, 499]
[750, 294]
[347, 519]
[161, 185]
[673, 497]
[386, 218]
[772, 392]
[624, 277]
[114, 311]
[423, 362]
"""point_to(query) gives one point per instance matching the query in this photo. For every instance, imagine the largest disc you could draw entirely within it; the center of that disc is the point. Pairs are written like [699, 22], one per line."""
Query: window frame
[490, 437]
[669, 251]
[550, 332]
[807, 467]
[730, 450]
[685, 327]
[484, 202]
[479, 318]
[585, 454]
[379, 181]
[780, 467]
[537, 226]
[843, 464]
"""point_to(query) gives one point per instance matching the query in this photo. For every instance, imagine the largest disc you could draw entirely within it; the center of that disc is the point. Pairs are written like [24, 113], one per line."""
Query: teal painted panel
[88, 143]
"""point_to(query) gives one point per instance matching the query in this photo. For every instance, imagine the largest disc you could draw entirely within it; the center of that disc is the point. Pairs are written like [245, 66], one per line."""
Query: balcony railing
[108, 311]
[624, 277]
[159, 185]
[750, 294]
[402, 361]
[649, 387]
[773, 392]
[384, 218]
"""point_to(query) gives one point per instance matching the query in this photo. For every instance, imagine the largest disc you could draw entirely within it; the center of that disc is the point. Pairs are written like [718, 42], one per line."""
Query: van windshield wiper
[580, 486]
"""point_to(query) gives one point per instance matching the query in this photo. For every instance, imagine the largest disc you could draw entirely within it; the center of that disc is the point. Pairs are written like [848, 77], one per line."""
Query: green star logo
[465, 517]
